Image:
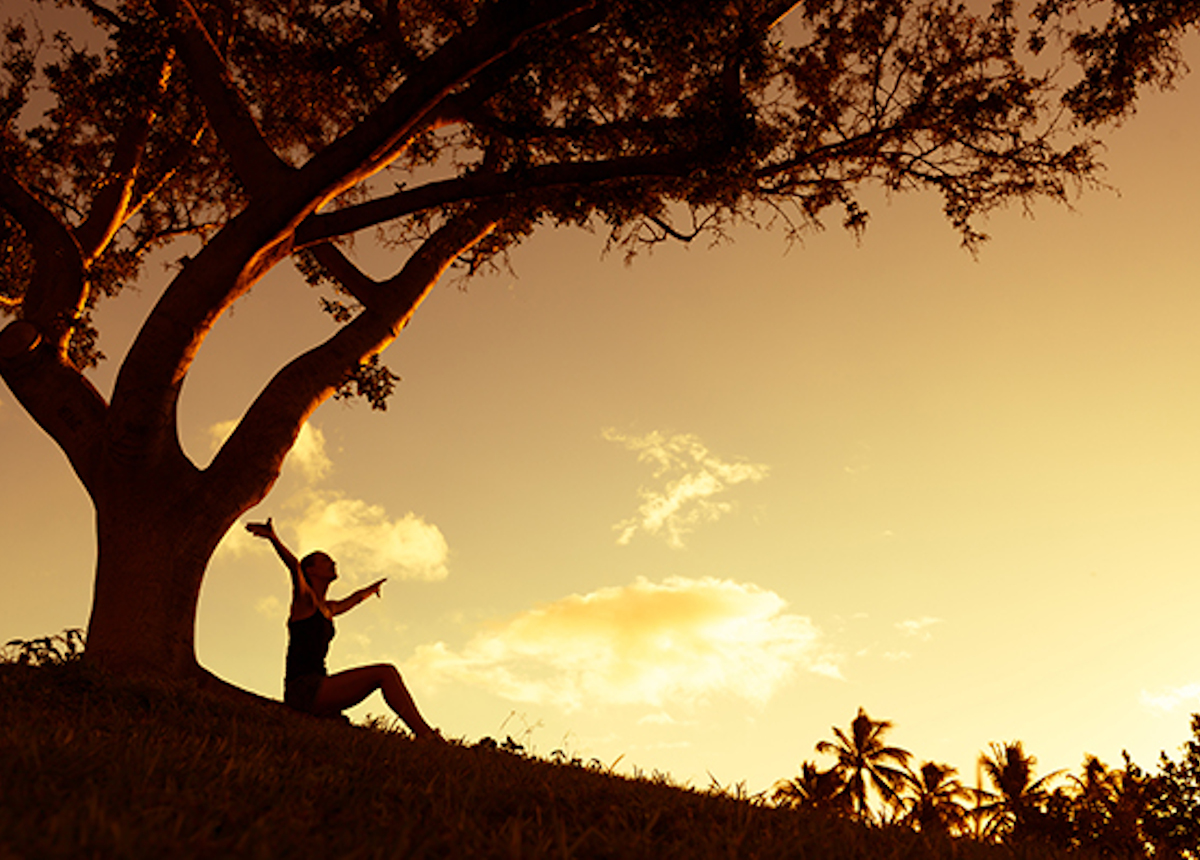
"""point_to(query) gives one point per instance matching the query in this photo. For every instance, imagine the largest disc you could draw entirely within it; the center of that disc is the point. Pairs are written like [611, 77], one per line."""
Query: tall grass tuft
[91, 766]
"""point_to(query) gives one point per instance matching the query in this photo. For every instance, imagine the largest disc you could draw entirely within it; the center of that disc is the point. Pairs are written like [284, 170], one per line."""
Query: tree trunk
[154, 540]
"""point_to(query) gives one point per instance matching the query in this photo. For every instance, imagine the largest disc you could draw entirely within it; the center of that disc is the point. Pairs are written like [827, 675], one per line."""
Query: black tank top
[308, 643]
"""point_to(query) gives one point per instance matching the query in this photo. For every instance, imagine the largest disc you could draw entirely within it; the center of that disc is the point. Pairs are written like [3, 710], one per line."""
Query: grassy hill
[90, 767]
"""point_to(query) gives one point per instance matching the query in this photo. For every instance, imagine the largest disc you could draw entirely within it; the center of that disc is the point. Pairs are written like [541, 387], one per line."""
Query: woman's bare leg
[346, 689]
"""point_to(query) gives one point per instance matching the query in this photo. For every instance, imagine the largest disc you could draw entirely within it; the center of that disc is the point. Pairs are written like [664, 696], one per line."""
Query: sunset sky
[692, 512]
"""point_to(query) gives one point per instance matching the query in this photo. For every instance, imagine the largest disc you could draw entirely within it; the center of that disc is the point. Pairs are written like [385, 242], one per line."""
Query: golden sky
[695, 511]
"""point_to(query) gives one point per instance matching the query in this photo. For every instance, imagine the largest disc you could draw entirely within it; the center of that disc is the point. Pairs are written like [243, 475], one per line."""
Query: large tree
[256, 131]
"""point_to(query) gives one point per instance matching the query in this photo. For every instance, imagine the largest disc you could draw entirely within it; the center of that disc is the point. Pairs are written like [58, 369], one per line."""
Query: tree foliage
[1121, 48]
[815, 790]
[934, 800]
[1174, 808]
[238, 134]
[1015, 808]
[637, 117]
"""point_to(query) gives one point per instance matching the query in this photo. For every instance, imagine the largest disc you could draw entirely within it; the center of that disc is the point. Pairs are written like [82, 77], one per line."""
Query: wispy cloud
[649, 643]
[918, 628]
[1172, 699]
[691, 475]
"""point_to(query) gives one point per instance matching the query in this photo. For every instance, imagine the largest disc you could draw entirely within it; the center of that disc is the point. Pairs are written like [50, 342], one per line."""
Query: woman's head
[318, 569]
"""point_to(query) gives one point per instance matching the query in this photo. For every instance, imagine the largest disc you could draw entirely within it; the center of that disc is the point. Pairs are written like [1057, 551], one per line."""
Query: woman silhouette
[307, 686]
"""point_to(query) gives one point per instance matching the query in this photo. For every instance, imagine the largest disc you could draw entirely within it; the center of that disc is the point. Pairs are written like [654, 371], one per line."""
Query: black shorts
[300, 693]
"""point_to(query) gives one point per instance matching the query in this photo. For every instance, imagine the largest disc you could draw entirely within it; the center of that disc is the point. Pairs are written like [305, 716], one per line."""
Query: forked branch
[262, 234]
[270, 427]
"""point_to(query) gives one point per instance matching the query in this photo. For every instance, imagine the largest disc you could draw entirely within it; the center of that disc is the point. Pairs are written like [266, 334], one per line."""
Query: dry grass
[95, 768]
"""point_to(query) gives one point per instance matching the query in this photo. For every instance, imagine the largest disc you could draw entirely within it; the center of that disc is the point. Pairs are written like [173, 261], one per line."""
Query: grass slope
[91, 767]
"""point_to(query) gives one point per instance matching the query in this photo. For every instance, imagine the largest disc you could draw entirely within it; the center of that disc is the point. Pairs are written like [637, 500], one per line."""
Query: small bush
[60, 648]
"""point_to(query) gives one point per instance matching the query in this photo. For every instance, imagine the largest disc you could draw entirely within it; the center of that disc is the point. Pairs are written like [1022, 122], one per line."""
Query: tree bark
[154, 538]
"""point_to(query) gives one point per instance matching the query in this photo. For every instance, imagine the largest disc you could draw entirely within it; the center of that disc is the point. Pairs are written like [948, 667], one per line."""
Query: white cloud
[918, 627]
[648, 643]
[1171, 700]
[307, 454]
[270, 606]
[694, 475]
[219, 432]
[238, 542]
[366, 542]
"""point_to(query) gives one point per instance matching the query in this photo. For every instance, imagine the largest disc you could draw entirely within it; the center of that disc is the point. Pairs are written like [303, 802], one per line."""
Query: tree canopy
[248, 132]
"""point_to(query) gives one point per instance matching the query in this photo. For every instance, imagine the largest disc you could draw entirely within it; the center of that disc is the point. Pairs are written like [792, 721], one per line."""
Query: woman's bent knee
[391, 672]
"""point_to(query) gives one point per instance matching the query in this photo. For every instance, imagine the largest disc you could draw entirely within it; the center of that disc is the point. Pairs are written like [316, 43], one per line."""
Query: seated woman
[307, 686]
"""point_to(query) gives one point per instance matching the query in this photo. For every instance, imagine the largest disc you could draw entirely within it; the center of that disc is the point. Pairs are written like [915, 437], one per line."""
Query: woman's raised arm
[267, 530]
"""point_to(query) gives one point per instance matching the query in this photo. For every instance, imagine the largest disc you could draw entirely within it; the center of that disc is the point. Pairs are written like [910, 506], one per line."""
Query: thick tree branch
[257, 165]
[380, 137]
[366, 290]
[33, 349]
[55, 394]
[491, 80]
[111, 208]
[484, 185]
[57, 291]
[250, 460]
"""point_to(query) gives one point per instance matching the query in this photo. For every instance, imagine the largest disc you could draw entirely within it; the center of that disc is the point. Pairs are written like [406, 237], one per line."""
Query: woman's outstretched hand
[374, 587]
[262, 530]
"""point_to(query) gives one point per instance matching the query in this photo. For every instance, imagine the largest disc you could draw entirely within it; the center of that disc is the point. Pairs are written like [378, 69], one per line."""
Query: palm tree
[813, 789]
[1018, 802]
[1094, 800]
[863, 761]
[934, 801]
[1110, 807]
